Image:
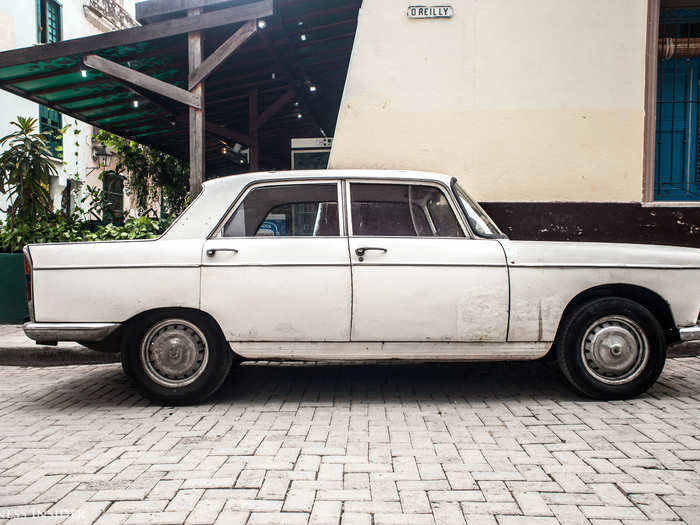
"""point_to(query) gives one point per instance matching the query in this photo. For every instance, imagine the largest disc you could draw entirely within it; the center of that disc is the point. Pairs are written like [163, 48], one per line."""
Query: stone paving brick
[356, 518]
[415, 502]
[143, 506]
[350, 444]
[532, 504]
[228, 517]
[87, 513]
[299, 500]
[325, 513]
[157, 518]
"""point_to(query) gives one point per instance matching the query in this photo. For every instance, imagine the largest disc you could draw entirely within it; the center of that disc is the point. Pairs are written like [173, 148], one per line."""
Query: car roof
[237, 181]
[206, 211]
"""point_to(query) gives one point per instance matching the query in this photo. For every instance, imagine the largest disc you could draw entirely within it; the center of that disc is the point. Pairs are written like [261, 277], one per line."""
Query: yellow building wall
[521, 100]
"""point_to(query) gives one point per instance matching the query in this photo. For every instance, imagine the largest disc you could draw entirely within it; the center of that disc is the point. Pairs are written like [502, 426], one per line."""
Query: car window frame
[447, 193]
[218, 232]
[454, 183]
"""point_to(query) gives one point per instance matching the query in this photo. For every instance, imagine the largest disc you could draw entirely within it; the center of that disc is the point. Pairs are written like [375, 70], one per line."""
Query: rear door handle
[212, 252]
[362, 251]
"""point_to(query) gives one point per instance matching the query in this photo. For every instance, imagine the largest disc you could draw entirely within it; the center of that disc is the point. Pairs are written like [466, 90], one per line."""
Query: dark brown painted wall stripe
[597, 222]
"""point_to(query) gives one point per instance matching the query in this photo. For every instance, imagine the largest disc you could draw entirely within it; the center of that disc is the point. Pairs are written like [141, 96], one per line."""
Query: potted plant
[25, 171]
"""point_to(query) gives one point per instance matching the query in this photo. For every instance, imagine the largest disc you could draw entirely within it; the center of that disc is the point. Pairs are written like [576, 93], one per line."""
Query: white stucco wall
[521, 100]
[14, 18]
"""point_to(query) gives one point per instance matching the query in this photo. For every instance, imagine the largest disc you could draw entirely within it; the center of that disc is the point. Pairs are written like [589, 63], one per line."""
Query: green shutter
[53, 22]
[51, 121]
[39, 22]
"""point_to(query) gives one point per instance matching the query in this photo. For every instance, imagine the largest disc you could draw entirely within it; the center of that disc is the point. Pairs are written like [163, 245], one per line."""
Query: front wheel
[176, 357]
[611, 348]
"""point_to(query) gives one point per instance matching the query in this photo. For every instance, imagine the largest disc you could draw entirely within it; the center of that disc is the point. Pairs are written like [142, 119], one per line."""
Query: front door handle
[362, 251]
[212, 251]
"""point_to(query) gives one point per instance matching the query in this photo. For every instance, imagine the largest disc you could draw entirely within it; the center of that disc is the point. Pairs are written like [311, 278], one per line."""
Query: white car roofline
[328, 174]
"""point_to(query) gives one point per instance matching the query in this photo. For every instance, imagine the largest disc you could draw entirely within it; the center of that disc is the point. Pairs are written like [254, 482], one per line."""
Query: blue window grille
[51, 122]
[49, 21]
[677, 170]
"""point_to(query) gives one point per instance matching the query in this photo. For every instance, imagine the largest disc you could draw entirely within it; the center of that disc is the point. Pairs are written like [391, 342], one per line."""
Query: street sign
[436, 11]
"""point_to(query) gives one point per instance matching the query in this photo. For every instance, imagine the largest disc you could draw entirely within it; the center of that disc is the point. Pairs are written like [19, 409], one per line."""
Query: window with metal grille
[113, 187]
[677, 170]
[49, 21]
[51, 122]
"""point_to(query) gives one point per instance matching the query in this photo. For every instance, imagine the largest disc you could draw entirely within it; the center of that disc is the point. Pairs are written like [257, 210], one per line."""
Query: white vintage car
[347, 265]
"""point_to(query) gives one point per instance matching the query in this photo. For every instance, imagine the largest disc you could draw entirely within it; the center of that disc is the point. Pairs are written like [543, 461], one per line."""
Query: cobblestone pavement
[354, 444]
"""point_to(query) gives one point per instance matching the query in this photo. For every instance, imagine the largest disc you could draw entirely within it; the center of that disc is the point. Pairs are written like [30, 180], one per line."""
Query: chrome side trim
[79, 332]
[118, 267]
[690, 333]
[602, 266]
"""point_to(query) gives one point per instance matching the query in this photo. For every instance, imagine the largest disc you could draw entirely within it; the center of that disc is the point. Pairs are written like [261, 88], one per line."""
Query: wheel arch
[649, 299]
[172, 311]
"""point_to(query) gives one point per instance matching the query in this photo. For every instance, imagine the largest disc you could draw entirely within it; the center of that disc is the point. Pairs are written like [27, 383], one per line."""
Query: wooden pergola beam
[137, 78]
[274, 108]
[225, 50]
[227, 133]
[178, 26]
[153, 8]
[293, 78]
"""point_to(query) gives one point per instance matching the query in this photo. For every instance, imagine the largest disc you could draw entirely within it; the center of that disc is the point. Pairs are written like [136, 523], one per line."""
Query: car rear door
[279, 269]
[417, 273]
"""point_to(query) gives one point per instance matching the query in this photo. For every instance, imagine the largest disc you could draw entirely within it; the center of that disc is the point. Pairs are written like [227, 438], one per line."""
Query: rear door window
[294, 210]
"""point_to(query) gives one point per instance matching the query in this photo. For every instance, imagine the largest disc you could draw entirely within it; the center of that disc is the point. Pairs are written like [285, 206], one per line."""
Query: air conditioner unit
[311, 154]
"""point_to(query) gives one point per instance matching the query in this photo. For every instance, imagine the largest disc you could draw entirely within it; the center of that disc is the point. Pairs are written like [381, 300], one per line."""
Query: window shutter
[39, 21]
[54, 23]
[51, 121]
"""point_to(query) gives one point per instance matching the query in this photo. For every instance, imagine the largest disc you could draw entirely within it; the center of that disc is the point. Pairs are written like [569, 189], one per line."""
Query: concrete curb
[54, 356]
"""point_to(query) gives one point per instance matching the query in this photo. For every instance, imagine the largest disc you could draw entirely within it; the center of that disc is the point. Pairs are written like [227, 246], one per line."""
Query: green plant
[133, 228]
[25, 171]
[59, 227]
[151, 175]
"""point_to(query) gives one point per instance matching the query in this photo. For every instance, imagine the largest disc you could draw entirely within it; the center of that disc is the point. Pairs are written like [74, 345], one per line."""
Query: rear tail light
[28, 275]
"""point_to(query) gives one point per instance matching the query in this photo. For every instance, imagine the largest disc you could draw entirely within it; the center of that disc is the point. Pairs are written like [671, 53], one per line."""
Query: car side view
[373, 265]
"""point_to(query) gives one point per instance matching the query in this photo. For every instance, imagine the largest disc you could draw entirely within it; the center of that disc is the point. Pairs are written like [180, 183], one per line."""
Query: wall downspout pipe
[679, 48]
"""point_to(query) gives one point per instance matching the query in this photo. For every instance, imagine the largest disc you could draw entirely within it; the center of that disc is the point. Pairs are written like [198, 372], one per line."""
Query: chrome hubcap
[174, 353]
[615, 350]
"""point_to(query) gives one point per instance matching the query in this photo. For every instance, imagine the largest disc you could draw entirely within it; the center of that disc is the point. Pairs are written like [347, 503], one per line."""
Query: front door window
[402, 210]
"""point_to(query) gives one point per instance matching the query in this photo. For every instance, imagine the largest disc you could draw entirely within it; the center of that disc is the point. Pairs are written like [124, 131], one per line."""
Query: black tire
[152, 343]
[600, 348]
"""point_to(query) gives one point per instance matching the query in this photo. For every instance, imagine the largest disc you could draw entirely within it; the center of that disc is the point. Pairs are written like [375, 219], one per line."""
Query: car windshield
[480, 222]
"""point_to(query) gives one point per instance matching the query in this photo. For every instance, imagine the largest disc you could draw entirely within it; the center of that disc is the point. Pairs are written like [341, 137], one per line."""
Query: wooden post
[253, 130]
[197, 117]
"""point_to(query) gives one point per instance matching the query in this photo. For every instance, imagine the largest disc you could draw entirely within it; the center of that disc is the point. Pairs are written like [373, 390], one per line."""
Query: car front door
[417, 273]
[278, 269]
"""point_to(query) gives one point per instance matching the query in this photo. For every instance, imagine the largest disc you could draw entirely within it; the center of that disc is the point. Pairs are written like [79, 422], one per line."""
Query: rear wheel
[176, 357]
[611, 348]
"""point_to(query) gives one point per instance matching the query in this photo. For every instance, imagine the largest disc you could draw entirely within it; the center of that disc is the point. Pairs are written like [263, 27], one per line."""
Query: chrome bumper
[690, 333]
[78, 332]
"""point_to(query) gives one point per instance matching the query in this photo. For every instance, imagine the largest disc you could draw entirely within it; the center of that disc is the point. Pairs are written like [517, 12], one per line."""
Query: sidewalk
[16, 349]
